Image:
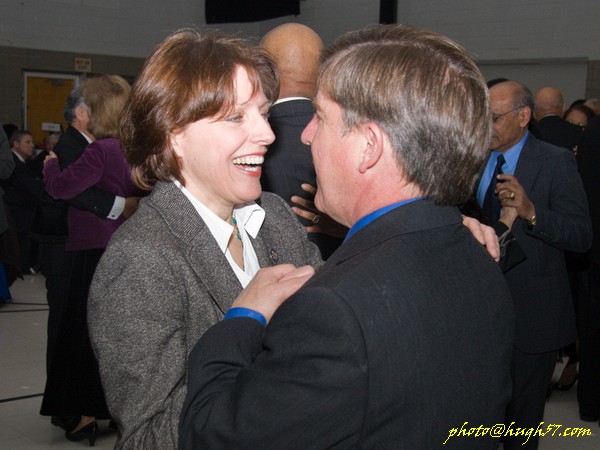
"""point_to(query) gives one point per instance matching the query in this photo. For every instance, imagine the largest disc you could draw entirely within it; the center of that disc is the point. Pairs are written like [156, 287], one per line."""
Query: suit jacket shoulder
[412, 282]
[70, 146]
[557, 131]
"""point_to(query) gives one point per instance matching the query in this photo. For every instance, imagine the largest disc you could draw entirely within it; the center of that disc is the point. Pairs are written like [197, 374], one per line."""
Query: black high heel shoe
[89, 432]
[565, 387]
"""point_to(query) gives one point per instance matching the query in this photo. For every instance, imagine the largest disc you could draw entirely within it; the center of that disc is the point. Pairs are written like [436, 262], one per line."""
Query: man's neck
[21, 157]
[549, 114]
[89, 136]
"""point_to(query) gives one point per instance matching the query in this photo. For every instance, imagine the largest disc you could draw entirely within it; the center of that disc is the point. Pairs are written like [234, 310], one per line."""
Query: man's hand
[485, 235]
[131, 206]
[511, 193]
[271, 286]
[322, 223]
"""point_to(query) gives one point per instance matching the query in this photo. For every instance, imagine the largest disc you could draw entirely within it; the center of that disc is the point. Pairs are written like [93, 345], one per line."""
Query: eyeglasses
[579, 124]
[496, 117]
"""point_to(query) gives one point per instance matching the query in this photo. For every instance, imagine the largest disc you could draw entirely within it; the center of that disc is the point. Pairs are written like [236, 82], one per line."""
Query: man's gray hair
[74, 100]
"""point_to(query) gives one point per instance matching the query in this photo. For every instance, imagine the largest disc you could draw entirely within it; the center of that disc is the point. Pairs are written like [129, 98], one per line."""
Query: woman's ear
[175, 139]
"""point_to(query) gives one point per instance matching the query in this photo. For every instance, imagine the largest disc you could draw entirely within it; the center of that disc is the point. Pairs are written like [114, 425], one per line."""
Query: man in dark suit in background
[406, 332]
[7, 165]
[588, 387]
[541, 182]
[7, 237]
[22, 194]
[288, 164]
[548, 112]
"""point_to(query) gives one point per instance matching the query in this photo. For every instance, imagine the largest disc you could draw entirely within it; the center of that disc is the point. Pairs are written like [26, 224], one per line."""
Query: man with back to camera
[406, 332]
[296, 49]
[540, 181]
[548, 112]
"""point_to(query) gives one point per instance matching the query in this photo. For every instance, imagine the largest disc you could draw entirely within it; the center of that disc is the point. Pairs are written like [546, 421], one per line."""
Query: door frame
[39, 74]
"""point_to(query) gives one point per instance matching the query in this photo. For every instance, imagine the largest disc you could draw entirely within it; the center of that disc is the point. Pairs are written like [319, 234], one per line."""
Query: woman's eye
[234, 118]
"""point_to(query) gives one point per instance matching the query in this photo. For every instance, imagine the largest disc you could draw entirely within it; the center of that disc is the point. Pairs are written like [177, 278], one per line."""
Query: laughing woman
[194, 131]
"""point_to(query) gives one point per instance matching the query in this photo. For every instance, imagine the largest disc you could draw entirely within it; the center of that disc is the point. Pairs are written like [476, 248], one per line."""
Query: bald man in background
[548, 112]
[288, 164]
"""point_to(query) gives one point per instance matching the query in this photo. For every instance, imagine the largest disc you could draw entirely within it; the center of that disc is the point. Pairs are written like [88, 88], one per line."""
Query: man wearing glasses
[540, 182]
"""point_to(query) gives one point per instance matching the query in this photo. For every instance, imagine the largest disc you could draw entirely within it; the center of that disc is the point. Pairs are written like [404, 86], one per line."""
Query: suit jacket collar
[292, 107]
[528, 164]
[201, 250]
[17, 157]
[417, 216]
[76, 134]
[551, 119]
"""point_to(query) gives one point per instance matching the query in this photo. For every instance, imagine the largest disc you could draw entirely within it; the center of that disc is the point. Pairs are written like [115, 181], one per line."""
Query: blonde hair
[106, 97]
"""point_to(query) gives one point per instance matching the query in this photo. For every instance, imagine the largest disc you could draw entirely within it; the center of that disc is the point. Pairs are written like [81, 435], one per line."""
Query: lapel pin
[274, 256]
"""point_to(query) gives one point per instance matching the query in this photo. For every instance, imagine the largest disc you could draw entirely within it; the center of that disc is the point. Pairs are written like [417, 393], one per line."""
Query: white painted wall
[133, 27]
[491, 30]
[499, 34]
[512, 29]
[539, 42]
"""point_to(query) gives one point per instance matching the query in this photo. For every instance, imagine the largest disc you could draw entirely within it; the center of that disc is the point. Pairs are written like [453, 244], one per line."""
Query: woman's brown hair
[188, 77]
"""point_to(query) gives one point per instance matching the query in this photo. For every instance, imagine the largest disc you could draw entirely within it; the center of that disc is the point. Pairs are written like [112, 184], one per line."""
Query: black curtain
[388, 11]
[229, 11]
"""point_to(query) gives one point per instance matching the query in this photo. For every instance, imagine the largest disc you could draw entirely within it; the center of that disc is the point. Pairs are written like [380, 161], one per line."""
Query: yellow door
[45, 98]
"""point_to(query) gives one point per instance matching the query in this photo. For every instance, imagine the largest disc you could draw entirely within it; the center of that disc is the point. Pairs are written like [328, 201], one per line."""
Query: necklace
[235, 225]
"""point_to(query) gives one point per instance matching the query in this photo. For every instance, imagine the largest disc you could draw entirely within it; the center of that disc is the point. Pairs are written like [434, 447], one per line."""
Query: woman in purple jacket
[73, 387]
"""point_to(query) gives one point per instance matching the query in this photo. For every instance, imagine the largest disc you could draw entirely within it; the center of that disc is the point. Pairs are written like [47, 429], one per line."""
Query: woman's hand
[51, 155]
[485, 235]
[322, 223]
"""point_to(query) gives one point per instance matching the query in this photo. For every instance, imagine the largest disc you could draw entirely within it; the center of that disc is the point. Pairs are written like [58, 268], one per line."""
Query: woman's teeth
[251, 160]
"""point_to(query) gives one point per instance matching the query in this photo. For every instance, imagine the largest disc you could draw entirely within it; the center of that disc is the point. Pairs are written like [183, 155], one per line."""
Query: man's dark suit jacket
[7, 165]
[588, 388]
[589, 167]
[539, 285]
[69, 148]
[22, 194]
[288, 163]
[405, 333]
[559, 132]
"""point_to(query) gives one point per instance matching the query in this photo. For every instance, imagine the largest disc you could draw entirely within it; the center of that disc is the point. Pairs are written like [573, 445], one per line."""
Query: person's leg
[588, 388]
[531, 375]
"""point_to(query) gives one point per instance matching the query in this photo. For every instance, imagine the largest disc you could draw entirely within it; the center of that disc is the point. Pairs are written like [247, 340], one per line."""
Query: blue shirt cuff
[246, 312]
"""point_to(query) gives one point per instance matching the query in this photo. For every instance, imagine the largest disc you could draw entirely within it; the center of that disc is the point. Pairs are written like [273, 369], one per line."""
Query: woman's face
[221, 159]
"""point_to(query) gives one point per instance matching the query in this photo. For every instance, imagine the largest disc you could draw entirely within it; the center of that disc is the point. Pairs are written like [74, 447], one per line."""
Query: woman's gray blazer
[160, 285]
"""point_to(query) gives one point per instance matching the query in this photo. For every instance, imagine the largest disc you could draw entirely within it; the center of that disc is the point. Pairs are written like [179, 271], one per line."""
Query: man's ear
[374, 141]
[524, 116]
[80, 111]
